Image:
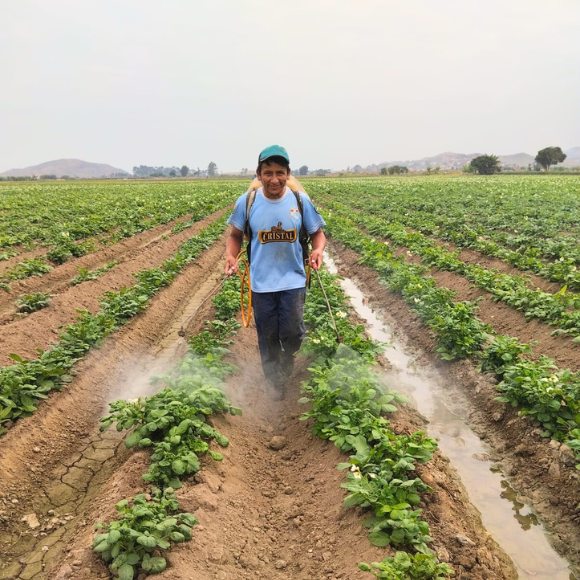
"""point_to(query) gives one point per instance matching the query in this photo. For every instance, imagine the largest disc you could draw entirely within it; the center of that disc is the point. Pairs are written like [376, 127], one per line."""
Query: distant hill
[447, 160]
[60, 167]
[573, 157]
[450, 160]
[517, 159]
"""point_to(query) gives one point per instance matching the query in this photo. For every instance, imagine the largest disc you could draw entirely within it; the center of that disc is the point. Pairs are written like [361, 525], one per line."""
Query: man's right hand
[232, 265]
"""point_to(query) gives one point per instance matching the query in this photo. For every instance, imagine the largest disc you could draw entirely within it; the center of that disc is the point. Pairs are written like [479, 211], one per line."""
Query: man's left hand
[316, 259]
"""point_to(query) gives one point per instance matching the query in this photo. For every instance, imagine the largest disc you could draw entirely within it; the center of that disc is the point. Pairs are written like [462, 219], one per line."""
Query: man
[277, 268]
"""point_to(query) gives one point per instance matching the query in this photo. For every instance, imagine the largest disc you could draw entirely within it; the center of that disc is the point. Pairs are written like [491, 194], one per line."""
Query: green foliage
[500, 353]
[33, 302]
[84, 274]
[540, 388]
[405, 566]
[321, 338]
[550, 156]
[65, 249]
[28, 267]
[144, 526]
[59, 215]
[173, 424]
[547, 394]
[21, 385]
[348, 402]
[486, 164]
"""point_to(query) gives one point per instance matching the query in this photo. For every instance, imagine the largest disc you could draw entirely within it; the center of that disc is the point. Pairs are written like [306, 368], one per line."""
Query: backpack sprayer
[246, 287]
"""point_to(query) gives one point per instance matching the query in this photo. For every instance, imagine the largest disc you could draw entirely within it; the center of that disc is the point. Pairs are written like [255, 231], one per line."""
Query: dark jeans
[279, 320]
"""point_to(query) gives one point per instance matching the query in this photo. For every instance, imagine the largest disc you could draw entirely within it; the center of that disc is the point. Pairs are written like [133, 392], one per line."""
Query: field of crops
[126, 450]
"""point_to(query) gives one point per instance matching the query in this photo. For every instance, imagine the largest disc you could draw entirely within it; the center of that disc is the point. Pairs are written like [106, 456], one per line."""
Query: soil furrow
[272, 508]
[542, 471]
[60, 276]
[503, 318]
[40, 329]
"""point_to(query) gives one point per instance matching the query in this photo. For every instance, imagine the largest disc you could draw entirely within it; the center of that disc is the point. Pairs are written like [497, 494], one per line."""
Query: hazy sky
[337, 82]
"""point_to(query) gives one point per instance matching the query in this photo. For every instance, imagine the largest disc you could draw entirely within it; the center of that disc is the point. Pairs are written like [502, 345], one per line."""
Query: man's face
[273, 178]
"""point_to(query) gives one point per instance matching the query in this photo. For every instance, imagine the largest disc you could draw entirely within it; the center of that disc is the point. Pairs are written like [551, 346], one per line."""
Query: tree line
[144, 171]
[490, 164]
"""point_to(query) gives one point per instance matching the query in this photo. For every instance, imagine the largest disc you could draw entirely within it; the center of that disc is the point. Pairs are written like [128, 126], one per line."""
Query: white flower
[134, 401]
[316, 341]
[372, 475]
[416, 300]
[357, 475]
[353, 468]
[341, 314]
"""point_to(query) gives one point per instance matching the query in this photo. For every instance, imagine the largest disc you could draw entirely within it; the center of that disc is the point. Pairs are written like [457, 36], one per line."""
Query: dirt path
[264, 513]
[541, 471]
[276, 514]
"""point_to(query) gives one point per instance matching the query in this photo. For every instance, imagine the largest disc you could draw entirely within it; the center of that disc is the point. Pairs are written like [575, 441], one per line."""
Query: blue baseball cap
[273, 151]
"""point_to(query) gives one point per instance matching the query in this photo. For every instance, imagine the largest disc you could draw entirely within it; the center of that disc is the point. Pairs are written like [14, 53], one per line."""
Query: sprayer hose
[245, 278]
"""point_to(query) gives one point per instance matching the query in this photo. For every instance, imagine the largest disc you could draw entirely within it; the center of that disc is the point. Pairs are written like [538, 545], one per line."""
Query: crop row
[526, 257]
[348, 404]
[526, 214]
[561, 309]
[23, 384]
[58, 214]
[65, 247]
[548, 394]
[172, 423]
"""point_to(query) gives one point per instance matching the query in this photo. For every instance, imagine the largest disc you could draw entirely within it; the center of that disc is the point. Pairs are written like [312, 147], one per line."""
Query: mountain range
[450, 160]
[70, 167]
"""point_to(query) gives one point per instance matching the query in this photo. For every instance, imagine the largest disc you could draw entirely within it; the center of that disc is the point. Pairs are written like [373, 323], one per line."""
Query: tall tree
[212, 169]
[184, 171]
[486, 164]
[303, 170]
[550, 156]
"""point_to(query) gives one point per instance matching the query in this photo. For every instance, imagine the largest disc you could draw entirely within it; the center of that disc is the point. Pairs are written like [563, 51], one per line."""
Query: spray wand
[245, 277]
[338, 338]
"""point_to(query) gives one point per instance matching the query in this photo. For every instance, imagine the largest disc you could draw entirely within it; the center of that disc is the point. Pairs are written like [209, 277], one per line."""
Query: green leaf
[350, 500]
[133, 439]
[178, 467]
[133, 558]
[157, 565]
[147, 541]
[126, 572]
[113, 537]
[380, 539]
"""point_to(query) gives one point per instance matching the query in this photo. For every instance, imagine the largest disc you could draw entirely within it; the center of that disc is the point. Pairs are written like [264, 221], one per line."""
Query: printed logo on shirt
[277, 234]
[295, 214]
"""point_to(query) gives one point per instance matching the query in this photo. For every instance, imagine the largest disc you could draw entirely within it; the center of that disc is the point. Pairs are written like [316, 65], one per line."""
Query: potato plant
[144, 526]
[21, 385]
[32, 302]
[348, 404]
[173, 424]
[539, 387]
[405, 566]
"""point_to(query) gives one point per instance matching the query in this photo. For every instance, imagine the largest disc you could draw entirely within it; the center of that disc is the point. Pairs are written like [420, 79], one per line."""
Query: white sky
[337, 82]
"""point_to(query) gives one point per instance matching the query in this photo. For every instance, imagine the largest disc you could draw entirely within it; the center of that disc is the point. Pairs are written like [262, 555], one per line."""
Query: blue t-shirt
[277, 262]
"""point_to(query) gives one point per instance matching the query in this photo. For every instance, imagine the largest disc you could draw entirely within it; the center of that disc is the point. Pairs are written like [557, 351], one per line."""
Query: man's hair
[275, 159]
